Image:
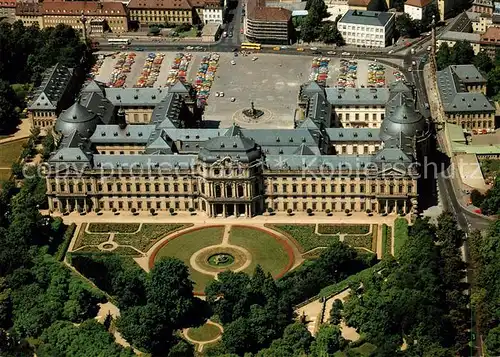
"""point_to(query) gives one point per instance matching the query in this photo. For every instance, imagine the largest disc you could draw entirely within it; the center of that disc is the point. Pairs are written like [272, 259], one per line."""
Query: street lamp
[83, 20]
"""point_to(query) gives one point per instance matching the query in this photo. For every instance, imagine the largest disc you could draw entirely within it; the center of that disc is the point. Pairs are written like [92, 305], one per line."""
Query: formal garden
[123, 238]
[312, 238]
[206, 253]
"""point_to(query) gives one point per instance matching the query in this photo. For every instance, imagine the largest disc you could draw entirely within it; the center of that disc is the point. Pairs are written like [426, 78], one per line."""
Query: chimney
[120, 118]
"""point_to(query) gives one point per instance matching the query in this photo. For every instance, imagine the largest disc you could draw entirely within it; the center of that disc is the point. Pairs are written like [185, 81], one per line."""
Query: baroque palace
[146, 149]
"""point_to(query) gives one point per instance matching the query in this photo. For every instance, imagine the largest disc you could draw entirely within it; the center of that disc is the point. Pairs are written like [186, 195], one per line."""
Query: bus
[119, 41]
[250, 46]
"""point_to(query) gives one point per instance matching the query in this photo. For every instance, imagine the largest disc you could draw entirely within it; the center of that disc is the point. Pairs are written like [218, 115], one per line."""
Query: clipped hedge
[400, 234]
[343, 228]
[386, 241]
[63, 247]
[334, 289]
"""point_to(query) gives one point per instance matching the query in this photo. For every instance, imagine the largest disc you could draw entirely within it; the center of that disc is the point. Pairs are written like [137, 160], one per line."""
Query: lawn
[343, 228]
[364, 241]
[4, 174]
[85, 238]
[191, 33]
[365, 350]
[304, 235]
[386, 240]
[186, 245]
[207, 332]
[149, 234]
[400, 234]
[10, 152]
[264, 248]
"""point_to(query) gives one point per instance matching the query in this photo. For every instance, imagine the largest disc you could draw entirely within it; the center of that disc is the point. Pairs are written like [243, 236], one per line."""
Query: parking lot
[270, 81]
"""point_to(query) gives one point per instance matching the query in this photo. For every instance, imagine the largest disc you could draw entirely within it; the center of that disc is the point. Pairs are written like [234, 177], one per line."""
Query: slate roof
[316, 163]
[458, 36]
[351, 134]
[319, 110]
[54, 84]
[113, 134]
[455, 97]
[357, 96]
[154, 162]
[95, 103]
[468, 73]
[370, 18]
[136, 96]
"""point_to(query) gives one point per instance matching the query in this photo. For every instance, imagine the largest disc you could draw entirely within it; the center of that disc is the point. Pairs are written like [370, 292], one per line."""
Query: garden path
[201, 344]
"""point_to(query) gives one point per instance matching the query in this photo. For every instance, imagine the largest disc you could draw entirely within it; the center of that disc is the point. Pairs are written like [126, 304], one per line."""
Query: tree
[483, 62]
[330, 34]
[296, 341]
[406, 26]
[493, 86]
[328, 341]
[182, 349]
[461, 53]
[171, 210]
[289, 211]
[48, 145]
[443, 56]
[493, 341]
[309, 211]
[336, 312]
[9, 116]
[133, 210]
[476, 198]
[491, 202]
[152, 211]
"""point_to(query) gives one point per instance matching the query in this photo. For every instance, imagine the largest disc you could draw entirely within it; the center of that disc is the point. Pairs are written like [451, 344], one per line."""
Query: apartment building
[483, 6]
[367, 28]
[265, 24]
[149, 12]
[462, 91]
[8, 10]
[451, 37]
[213, 12]
[101, 16]
[416, 8]
[30, 13]
[482, 22]
[490, 41]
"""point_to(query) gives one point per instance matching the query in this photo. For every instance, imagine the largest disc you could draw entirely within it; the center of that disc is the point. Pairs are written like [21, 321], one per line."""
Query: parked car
[314, 48]
[332, 53]
[221, 94]
[346, 54]
[233, 99]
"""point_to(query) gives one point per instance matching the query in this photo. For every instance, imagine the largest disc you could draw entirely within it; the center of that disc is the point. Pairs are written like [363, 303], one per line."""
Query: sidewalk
[201, 218]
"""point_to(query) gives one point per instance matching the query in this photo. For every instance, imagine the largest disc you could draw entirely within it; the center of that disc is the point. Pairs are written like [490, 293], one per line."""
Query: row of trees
[41, 300]
[488, 202]
[313, 28]
[485, 254]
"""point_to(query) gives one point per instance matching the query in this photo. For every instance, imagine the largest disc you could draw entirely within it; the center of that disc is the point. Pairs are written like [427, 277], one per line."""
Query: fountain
[253, 113]
[221, 259]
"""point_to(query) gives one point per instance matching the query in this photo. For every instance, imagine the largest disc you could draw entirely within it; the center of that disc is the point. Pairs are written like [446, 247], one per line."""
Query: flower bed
[113, 227]
[304, 235]
[205, 77]
[149, 234]
[319, 70]
[376, 75]
[122, 67]
[150, 70]
[348, 73]
[179, 67]
[85, 238]
[343, 228]
[363, 241]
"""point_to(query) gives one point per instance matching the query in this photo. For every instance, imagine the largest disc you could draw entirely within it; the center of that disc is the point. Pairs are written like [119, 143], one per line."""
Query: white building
[367, 28]
[416, 8]
[213, 12]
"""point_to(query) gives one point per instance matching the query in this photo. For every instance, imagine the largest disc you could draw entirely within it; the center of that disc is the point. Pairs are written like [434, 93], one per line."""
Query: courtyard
[270, 81]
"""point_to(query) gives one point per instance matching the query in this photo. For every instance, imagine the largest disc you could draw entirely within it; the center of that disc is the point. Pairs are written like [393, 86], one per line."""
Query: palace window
[119, 187]
[176, 187]
[185, 187]
[110, 187]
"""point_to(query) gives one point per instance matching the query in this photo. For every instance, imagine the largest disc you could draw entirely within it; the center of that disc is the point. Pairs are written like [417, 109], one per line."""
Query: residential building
[30, 13]
[8, 10]
[448, 8]
[490, 41]
[462, 89]
[451, 37]
[211, 32]
[482, 22]
[265, 24]
[149, 12]
[101, 16]
[366, 5]
[213, 12]
[416, 8]
[483, 6]
[367, 28]
[54, 94]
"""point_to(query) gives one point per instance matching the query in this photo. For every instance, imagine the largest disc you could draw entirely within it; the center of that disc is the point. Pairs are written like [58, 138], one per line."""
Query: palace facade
[106, 160]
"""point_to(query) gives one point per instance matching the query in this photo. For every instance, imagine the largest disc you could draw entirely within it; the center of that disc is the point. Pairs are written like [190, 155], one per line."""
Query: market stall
[205, 77]
[150, 70]
[376, 75]
[121, 68]
[178, 70]
[319, 70]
